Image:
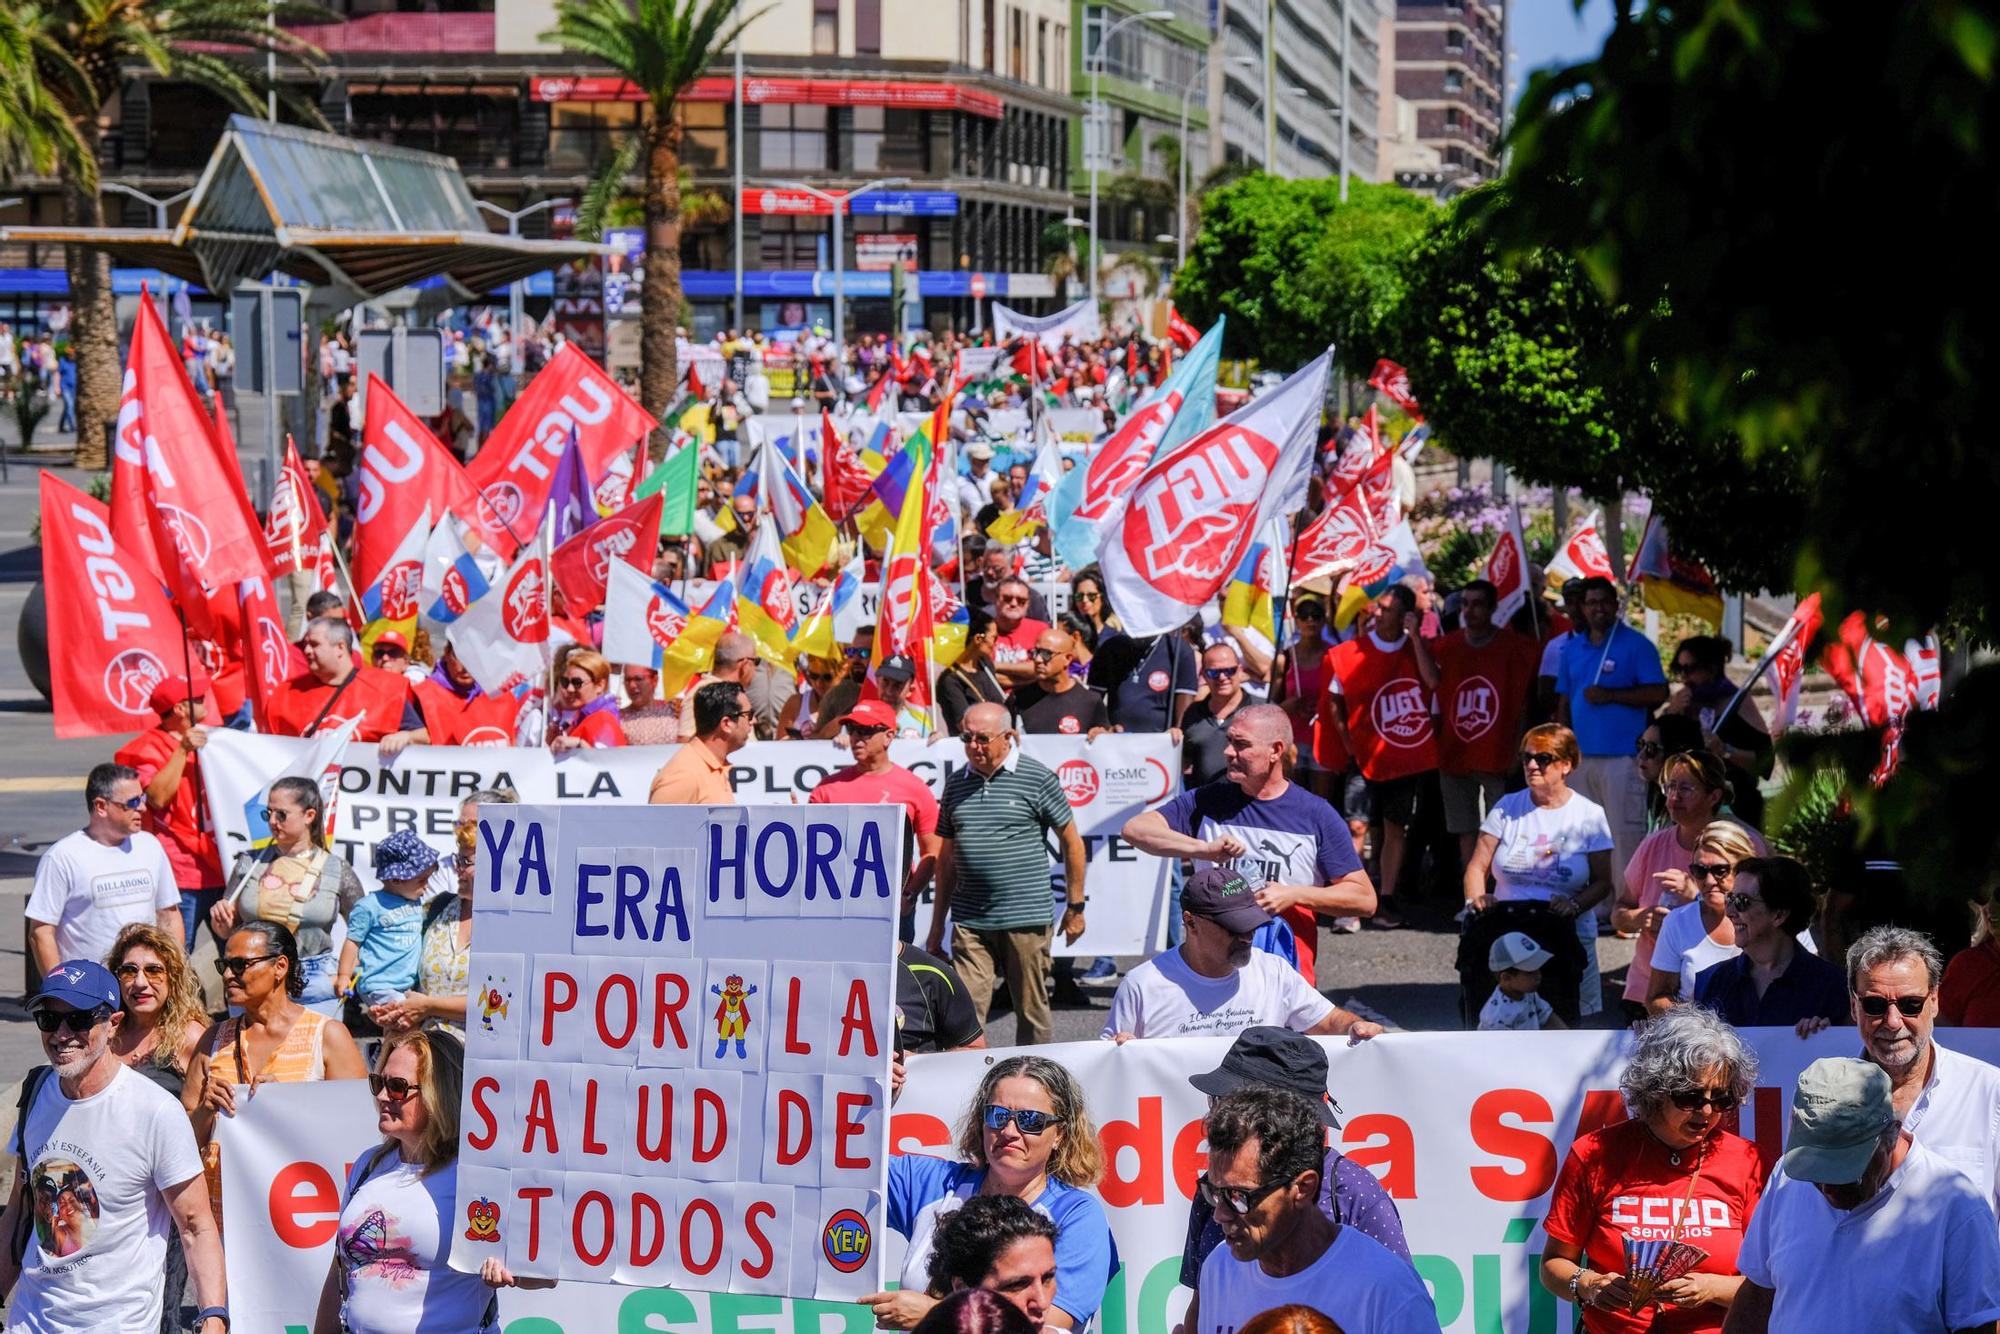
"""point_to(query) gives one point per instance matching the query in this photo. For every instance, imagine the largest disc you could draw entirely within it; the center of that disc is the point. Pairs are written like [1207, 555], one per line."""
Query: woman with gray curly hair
[1669, 1173]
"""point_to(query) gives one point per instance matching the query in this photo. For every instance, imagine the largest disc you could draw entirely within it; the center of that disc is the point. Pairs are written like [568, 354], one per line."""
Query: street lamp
[158, 205]
[837, 202]
[1095, 63]
[518, 289]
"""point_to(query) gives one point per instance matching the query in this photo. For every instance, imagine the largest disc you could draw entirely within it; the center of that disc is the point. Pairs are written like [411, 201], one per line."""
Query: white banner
[1465, 1131]
[1107, 782]
[1078, 322]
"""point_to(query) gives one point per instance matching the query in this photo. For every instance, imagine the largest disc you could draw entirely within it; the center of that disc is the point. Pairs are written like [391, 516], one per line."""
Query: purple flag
[571, 506]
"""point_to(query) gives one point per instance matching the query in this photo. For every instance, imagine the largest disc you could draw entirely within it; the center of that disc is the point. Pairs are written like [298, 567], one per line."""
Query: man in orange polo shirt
[335, 688]
[698, 774]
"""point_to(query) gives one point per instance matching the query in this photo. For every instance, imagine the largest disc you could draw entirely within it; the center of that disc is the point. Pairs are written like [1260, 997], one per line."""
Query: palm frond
[605, 188]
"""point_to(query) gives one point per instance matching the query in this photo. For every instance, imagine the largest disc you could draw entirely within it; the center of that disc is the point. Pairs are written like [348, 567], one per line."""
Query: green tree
[1295, 269]
[83, 52]
[1791, 203]
[35, 134]
[1515, 358]
[662, 47]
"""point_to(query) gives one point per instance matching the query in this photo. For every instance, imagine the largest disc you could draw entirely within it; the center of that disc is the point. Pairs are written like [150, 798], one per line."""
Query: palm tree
[35, 135]
[190, 41]
[662, 47]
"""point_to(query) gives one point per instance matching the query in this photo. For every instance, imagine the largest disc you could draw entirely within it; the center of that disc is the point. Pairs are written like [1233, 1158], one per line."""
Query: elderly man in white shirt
[1947, 1101]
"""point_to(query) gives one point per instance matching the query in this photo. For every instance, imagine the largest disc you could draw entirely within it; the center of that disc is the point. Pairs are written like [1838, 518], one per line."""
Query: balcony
[402, 34]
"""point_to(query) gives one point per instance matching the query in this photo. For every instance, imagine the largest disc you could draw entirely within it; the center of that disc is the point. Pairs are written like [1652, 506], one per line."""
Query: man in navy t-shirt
[1281, 838]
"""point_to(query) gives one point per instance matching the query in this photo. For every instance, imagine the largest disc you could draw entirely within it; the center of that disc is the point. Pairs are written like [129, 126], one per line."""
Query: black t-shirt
[1141, 678]
[933, 1011]
[1072, 713]
[1205, 743]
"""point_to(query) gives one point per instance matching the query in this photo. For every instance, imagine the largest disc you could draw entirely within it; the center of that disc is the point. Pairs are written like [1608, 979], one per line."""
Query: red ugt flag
[848, 485]
[1788, 660]
[1394, 382]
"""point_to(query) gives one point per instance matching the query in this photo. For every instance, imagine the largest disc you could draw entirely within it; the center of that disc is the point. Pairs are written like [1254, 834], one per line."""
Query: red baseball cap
[390, 639]
[173, 690]
[872, 713]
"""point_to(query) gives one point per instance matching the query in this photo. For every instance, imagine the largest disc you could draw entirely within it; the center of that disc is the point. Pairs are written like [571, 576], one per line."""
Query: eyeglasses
[236, 967]
[734, 714]
[1693, 1100]
[1029, 1122]
[398, 1088]
[1235, 1199]
[980, 738]
[1711, 870]
[154, 972]
[1742, 903]
[1649, 750]
[1540, 759]
[1218, 673]
[1909, 1006]
[575, 682]
[1012, 600]
[76, 1021]
[1685, 791]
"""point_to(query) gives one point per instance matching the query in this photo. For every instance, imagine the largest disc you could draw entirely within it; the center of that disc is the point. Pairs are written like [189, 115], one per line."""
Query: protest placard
[677, 1054]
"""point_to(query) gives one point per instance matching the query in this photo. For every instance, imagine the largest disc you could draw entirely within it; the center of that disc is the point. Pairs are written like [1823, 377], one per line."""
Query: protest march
[902, 864]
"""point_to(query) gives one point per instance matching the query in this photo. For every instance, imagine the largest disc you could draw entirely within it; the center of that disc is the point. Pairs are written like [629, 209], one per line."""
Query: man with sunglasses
[1205, 726]
[1948, 1102]
[110, 1152]
[698, 773]
[1055, 702]
[1015, 631]
[1266, 1154]
[1863, 1227]
[93, 883]
[875, 779]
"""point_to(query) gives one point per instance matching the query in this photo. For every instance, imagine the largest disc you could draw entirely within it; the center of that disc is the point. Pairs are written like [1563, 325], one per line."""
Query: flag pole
[1534, 594]
[1778, 645]
[346, 577]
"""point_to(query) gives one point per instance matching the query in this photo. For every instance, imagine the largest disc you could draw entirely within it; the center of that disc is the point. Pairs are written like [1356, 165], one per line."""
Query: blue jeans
[195, 904]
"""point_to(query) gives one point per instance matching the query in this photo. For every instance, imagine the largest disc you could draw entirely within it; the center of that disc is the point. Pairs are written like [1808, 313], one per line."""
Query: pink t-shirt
[1661, 851]
[894, 784]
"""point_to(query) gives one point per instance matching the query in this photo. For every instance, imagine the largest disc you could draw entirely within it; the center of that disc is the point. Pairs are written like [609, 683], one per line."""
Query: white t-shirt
[98, 1171]
[1164, 998]
[89, 892]
[1510, 1014]
[1827, 1265]
[1544, 850]
[1357, 1283]
[394, 1244]
[1684, 945]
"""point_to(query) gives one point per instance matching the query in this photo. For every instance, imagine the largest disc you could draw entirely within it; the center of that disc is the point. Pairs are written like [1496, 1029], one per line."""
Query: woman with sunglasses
[970, 679]
[584, 716]
[271, 1040]
[1696, 936]
[1774, 982]
[1742, 740]
[1092, 609]
[395, 1279]
[1669, 1173]
[298, 882]
[1028, 1135]
[1547, 842]
[1696, 791]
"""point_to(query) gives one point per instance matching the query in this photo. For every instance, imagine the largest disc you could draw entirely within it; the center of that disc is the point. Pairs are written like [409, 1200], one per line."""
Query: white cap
[1516, 949]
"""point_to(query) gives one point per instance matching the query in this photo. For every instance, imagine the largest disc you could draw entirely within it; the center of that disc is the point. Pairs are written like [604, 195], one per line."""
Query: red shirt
[1482, 693]
[1620, 1181]
[483, 720]
[1016, 645]
[852, 787]
[1388, 710]
[376, 697]
[599, 729]
[182, 827]
[1969, 996]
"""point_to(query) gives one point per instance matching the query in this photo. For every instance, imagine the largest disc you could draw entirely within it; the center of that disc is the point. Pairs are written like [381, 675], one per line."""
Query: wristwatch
[208, 1313]
[1072, 907]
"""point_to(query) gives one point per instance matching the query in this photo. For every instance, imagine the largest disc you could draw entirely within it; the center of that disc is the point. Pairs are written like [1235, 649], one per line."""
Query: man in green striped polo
[993, 871]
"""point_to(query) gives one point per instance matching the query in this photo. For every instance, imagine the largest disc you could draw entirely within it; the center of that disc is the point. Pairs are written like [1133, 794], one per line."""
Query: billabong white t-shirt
[90, 892]
[98, 1172]
[1164, 998]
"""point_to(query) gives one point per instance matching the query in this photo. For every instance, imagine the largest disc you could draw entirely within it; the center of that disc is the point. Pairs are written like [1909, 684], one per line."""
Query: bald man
[1056, 702]
[1289, 845]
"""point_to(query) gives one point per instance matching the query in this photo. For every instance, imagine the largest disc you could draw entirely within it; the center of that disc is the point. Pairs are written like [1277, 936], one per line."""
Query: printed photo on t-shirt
[65, 1207]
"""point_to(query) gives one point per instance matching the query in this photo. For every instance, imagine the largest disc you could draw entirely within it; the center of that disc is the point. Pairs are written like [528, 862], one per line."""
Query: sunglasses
[1027, 1121]
[130, 804]
[863, 733]
[980, 738]
[1910, 1006]
[857, 653]
[1683, 668]
[574, 682]
[1741, 903]
[1693, 1100]
[1649, 750]
[1233, 1198]
[76, 1021]
[398, 1088]
[275, 813]
[1540, 759]
[1711, 870]
[1218, 673]
[1015, 601]
[236, 967]
[1088, 597]
[154, 972]
[1044, 654]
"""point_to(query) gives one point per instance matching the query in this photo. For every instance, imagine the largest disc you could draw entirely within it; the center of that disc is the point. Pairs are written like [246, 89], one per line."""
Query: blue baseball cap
[404, 856]
[82, 984]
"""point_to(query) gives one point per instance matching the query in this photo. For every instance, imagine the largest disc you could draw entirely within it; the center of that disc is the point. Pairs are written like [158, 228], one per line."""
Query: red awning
[783, 92]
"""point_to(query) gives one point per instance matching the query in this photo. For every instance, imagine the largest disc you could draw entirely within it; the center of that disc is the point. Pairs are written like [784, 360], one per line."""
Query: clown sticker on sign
[677, 1068]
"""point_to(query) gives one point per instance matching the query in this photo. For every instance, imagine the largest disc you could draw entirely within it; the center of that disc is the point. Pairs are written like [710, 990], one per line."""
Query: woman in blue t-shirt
[1028, 1135]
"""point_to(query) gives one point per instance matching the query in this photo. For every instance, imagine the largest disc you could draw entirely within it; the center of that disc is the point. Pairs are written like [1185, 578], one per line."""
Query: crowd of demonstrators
[1774, 980]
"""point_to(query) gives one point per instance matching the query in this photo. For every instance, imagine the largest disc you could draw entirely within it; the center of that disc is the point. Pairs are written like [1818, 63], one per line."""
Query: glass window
[1454, 81]
[826, 27]
[792, 243]
[582, 134]
[705, 137]
[865, 145]
[792, 138]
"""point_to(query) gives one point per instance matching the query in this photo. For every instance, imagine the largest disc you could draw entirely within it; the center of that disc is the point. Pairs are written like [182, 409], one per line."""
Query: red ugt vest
[374, 696]
[1388, 710]
[483, 720]
[1481, 694]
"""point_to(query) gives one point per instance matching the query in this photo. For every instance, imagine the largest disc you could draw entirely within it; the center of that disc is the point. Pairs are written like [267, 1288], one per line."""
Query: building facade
[1282, 73]
[967, 102]
[1450, 68]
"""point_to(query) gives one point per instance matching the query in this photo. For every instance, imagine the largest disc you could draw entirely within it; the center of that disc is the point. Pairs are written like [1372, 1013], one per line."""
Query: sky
[1552, 32]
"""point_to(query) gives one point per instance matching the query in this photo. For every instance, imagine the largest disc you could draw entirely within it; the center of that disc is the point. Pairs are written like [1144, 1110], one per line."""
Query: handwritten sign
[678, 1035]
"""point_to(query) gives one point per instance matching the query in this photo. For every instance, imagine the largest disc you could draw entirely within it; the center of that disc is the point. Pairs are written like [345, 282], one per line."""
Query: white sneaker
[1347, 926]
